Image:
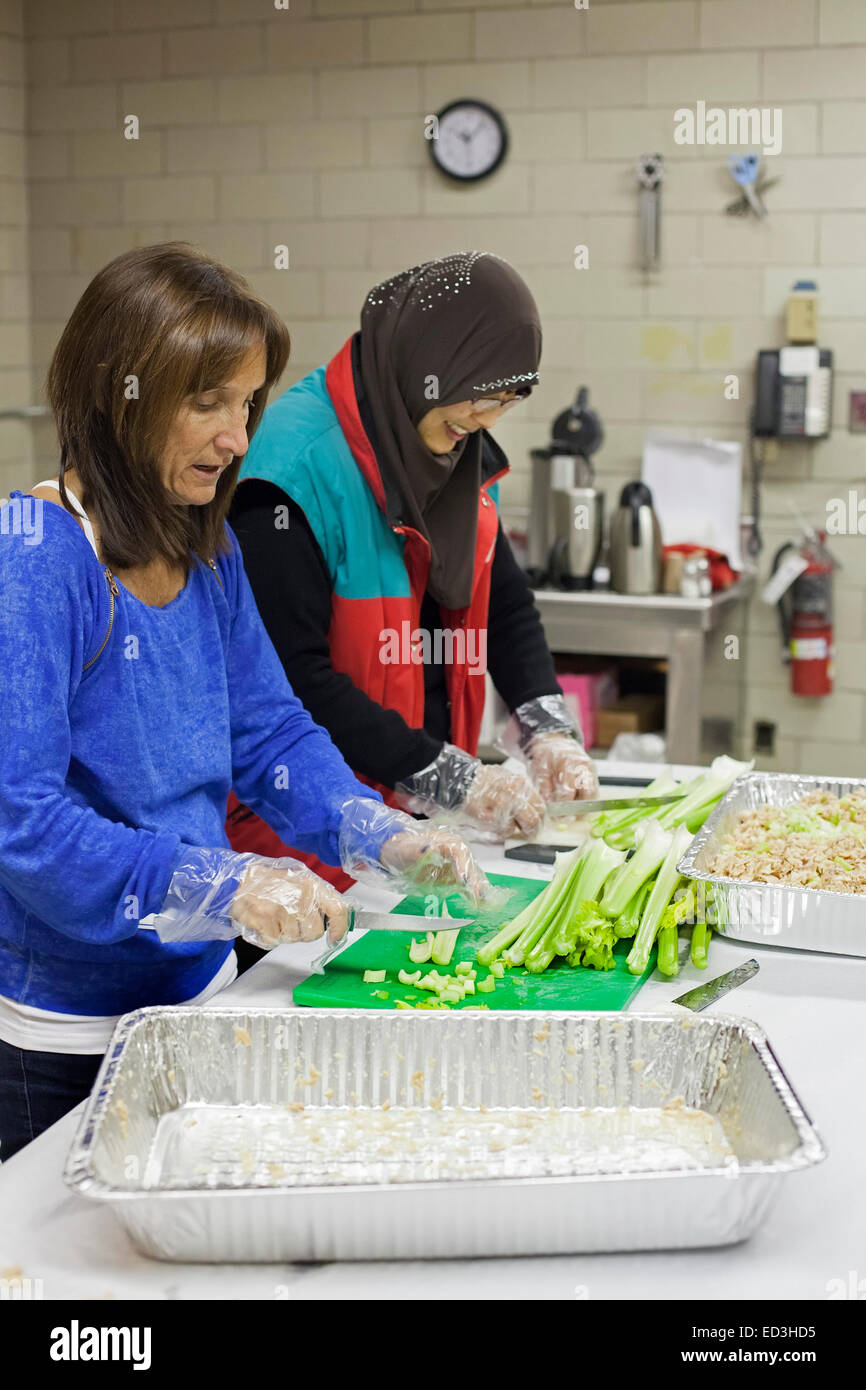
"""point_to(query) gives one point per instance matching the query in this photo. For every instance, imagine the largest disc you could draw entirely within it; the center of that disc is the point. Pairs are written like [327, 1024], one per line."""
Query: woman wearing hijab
[366, 513]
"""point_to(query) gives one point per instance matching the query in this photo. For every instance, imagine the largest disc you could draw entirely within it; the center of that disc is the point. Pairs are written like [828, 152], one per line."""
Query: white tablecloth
[813, 1007]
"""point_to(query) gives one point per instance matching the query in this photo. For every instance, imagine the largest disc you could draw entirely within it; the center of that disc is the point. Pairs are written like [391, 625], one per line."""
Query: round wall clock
[472, 140]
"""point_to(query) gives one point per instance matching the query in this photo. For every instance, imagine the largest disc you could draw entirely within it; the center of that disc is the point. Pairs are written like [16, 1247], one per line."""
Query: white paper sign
[696, 487]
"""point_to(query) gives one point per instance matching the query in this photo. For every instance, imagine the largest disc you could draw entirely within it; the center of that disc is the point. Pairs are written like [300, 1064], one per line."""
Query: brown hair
[178, 321]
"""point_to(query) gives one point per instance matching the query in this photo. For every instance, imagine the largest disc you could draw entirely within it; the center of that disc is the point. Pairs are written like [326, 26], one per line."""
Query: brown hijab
[447, 331]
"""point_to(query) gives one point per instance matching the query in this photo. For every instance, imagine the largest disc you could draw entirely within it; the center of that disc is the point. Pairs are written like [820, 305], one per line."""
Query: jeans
[36, 1088]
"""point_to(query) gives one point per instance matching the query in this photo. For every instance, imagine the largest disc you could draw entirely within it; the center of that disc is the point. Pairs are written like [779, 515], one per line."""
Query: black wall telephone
[793, 393]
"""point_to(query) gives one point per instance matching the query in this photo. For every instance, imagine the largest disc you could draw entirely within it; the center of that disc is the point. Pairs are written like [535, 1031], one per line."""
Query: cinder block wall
[16, 436]
[305, 127]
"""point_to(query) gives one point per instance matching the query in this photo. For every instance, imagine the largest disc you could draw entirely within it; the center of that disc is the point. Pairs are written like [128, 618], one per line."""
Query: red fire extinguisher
[806, 616]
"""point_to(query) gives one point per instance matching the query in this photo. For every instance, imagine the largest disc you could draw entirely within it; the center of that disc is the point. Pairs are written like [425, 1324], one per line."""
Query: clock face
[471, 142]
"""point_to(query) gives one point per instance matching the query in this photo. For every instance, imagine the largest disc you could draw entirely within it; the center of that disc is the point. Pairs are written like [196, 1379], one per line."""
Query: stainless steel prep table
[688, 632]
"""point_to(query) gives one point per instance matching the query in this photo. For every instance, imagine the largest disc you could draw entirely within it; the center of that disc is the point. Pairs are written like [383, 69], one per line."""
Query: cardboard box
[633, 714]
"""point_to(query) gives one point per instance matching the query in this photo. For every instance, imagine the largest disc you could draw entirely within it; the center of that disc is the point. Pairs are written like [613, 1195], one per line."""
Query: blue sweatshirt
[106, 773]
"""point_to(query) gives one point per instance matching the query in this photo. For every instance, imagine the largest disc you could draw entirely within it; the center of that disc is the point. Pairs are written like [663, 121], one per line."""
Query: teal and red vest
[312, 444]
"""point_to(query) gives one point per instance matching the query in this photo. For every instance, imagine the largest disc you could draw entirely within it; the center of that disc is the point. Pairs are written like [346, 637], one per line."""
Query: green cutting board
[559, 987]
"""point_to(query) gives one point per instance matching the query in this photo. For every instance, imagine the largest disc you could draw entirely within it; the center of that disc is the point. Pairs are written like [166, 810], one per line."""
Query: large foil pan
[807, 919]
[165, 1064]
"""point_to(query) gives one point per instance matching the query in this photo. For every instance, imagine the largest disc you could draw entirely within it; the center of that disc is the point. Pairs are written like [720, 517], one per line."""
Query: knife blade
[410, 923]
[610, 803]
[702, 995]
[361, 920]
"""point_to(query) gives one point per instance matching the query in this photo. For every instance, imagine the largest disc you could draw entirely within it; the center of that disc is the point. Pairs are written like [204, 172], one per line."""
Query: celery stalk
[701, 934]
[662, 891]
[653, 845]
[607, 822]
[510, 932]
[535, 919]
[598, 866]
[669, 941]
[534, 930]
[629, 921]
[704, 793]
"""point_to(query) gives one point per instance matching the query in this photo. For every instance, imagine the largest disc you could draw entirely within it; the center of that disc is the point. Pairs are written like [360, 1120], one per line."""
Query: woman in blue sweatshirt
[138, 686]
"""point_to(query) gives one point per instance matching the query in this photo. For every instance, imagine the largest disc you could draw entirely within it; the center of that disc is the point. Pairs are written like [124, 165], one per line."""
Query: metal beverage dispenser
[566, 518]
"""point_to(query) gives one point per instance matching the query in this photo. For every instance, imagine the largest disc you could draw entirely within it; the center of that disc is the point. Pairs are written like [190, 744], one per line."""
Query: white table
[813, 1007]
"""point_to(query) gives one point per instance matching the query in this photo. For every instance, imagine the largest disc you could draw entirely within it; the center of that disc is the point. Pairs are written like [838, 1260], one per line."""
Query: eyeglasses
[489, 403]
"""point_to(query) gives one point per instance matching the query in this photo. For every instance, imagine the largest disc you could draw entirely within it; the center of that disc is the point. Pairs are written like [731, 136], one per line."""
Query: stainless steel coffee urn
[566, 520]
[635, 543]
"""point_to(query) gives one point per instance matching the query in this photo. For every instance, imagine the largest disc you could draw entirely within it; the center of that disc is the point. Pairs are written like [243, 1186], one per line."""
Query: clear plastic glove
[543, 733]
[503, 801]
[216, 894]
[497, 801]
[561, 768]
[379, 845]
[279, 900]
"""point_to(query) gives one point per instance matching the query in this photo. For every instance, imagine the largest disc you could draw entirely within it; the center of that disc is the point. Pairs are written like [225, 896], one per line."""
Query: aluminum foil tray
[806, 919]
[182, 1134]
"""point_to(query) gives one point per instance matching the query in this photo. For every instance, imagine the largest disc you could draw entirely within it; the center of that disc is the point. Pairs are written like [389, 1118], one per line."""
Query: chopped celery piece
[381, 994]
[401, 1005]
[451, 996]
[463, 967]
[374, 977]
[487, 985]
[443, 947]
[468, 986]
[421, 951]
[406, 979]
[497, 969]
[443, 942]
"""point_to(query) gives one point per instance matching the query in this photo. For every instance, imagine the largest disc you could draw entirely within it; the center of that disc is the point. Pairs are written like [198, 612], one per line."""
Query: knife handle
[321, 961]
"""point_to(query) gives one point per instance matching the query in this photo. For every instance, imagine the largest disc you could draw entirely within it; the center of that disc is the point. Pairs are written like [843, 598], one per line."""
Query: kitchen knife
[610, 803]
[703, 995]
[404, 921]
[415, 925]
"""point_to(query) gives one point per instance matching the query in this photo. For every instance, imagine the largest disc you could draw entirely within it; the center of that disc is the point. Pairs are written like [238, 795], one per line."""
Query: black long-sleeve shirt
[292, 588]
